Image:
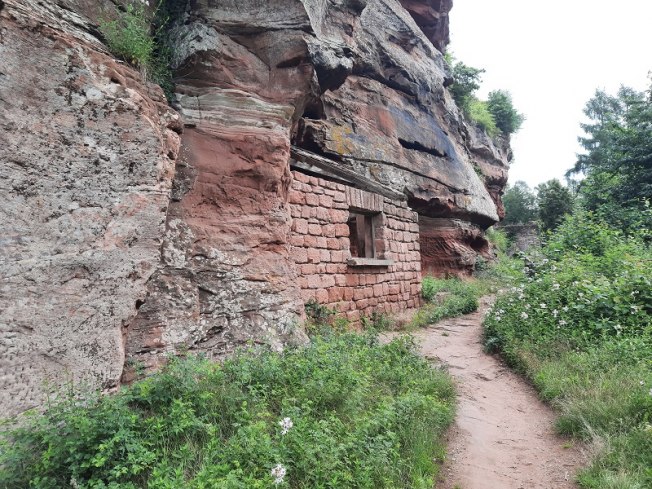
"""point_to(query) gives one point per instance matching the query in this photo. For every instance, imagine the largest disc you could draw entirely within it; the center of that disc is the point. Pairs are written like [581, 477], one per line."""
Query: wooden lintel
[337, 169]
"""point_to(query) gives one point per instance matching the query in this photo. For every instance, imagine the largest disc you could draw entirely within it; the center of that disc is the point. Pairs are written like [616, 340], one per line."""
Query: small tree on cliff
[507, 118]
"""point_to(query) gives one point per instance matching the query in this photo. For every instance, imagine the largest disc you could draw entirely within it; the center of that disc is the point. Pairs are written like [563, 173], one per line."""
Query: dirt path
[503, 437]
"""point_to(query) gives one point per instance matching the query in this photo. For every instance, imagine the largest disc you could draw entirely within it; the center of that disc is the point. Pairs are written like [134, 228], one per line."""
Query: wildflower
[524, 315]
[581, 294]
[542, 306]
[278, 473]
[521, 296]
[501, 311]
[641, 382]
[286, 424]
[527, 306]
[651, 392]
[565, 308]
[562, 323]
[498, 318]
[634, 309]
[556, 286]
[555, 312]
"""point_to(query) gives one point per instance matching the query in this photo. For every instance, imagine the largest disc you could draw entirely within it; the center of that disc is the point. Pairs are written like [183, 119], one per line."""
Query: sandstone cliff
[117, 244]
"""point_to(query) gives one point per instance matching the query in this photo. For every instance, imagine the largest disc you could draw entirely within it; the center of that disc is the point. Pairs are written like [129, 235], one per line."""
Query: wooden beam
[337, 168]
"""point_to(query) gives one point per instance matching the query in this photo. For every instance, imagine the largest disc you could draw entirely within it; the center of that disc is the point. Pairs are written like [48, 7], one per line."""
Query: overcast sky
[552, 56]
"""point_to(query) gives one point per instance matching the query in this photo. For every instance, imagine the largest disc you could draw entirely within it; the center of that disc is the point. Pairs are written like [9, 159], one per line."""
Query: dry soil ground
[503, 436]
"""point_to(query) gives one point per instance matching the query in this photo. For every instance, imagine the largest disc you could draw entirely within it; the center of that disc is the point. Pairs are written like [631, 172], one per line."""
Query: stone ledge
[368, 262]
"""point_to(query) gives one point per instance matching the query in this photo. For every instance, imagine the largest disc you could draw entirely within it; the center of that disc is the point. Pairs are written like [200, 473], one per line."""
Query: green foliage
[580, 326]
[520, 204]
[447, 298]
[129, 36]
[617, 162]
[498, 240]
[554, 202]
[496, 115]
[138, 37]
[478, 112]
[363, 415]
[501, 107]
[466, 81]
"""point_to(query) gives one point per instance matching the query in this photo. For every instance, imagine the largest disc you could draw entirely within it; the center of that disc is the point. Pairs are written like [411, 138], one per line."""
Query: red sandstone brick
[314, 229]
[308, 269]
[312, 200]
[340, 280]
[359, 294]
[307, 294]
[300, 255]
[378, 290]
[353, 315]
[322, 242]
[296, 197]
[300, 226]
[348, 293]
[333, 244]
[336, 256]
[322, 296]
[332, 268]
[313, 255]
[310, 241]
[335, 294]
[394, 289]
[352, 279]
[325, 255]
[326, 201]
[300, 177]
[341, 230]
[368, 292]
[323, 215]
[296, 240]
[362, 304]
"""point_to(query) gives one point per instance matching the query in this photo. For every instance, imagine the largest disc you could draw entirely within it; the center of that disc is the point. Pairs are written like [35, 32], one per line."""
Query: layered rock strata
[117, 250]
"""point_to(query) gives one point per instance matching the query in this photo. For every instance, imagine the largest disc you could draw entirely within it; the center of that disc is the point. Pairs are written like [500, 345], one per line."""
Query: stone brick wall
[320, 246]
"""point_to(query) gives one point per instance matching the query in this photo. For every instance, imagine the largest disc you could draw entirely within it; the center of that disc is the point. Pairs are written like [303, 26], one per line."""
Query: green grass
[447, 298]
[364, 415]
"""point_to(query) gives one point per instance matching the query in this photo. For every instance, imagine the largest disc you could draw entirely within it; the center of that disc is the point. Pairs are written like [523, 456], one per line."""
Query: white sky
[552, 56]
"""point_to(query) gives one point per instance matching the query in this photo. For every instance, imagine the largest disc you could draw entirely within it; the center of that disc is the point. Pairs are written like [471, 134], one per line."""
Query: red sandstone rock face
[87, 153]
[432, 17]
[105, 256]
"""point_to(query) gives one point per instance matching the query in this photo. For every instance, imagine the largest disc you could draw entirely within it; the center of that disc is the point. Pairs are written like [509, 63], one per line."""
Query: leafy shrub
[129, 36]
[343, 412]
[501, 107]
[138, 37]
[498, 240]
[478, 112]
[466, 81]
[579, 324]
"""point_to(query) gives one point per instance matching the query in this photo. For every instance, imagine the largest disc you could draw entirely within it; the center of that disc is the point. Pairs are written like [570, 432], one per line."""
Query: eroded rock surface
[117, 244]
[87, 152]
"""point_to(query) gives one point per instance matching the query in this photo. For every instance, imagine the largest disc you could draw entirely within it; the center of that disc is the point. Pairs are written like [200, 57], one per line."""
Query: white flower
[524, 315]
[527, 306]
[642, 382]
[521, 296]
[555, 286]
[581, 294]
[635, 309]
[286, 424]
[542, 306]
[651, 392]
[498, 318]
[565, 308]
[562, 323]
[278, 473]
[576, 283]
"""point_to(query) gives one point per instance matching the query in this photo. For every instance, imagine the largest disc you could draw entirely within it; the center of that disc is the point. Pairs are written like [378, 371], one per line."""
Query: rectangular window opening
[361, 235]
